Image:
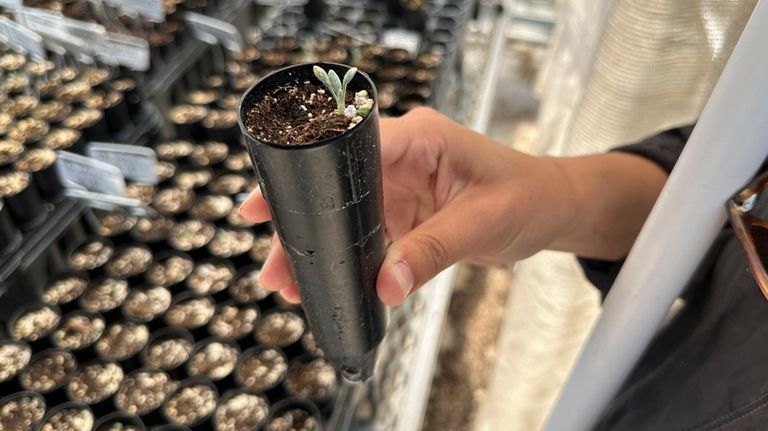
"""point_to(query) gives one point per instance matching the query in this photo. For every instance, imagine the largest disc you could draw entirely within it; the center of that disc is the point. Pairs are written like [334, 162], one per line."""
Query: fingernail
[404, 276]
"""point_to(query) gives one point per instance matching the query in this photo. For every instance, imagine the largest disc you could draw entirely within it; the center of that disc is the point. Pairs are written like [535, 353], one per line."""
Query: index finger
[393, 139]
[255, 209]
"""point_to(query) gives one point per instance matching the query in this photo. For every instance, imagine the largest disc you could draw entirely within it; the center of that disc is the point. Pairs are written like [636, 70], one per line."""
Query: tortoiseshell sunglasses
[751, 231]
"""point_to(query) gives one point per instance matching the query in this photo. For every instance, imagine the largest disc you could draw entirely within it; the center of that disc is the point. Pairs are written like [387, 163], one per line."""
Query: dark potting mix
[306, 111]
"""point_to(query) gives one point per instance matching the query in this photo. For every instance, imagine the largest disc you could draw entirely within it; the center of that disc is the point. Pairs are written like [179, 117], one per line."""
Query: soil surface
[297, 114]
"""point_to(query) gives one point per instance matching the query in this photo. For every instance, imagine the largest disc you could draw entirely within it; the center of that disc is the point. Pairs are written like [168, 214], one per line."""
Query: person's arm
[614, 194]
[451, 194]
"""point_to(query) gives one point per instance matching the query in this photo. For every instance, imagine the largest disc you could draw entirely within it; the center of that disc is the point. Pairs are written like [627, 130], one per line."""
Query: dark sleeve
[664, 149]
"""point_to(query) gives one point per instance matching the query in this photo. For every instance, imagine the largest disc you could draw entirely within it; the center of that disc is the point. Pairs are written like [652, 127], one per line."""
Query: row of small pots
[194, 404]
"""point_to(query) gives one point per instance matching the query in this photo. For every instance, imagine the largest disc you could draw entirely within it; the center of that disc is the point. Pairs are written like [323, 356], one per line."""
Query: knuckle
[421, 112]
[433, 249]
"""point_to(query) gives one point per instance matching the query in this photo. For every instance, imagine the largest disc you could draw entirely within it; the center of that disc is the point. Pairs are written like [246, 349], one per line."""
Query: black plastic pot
[39, 401]
[326, 199]
[176, 370]
[202, 422]
[73, 406]
[92, 300]
[83, 352]
[42, 361]
[223, 382]
[23, 200]
[114, 225]
[307, 378]
[67, 299]
[246, 288]
[195, 326]
[127, 357]
[99, 406]
[281, 327]
[10, 383]
[257, 420]
[158, 273]
[170, 427]
[134, 274]
[10, 236]
[153, 231]
[96, 266]
[43, 172]
[98, 131]
[306, 410]
[39, 339]
[115, 420]
[127, 85]
[270, 365]
[117, 115]
[148, 413]
[147, 309]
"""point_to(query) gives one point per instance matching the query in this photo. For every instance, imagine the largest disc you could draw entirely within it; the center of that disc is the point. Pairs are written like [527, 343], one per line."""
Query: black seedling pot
[11, 383]
[240, 391]
[326, 199]
[70, 405]
[58, 393]
[176, 372]
[8, 413]
[101, 407]
[24, 203]
[66, 302]
[118, 420]
[83, 353]
[203, 423]
[117, 116]
[10, 236]
[308, 407]
[223, 383]
[39, 340]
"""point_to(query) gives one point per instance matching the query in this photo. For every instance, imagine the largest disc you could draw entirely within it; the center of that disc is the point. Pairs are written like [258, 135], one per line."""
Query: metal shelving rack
[175, 67]
[66, 212]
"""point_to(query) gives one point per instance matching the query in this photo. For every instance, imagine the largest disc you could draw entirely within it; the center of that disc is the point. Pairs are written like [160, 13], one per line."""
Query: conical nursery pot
[326, 200]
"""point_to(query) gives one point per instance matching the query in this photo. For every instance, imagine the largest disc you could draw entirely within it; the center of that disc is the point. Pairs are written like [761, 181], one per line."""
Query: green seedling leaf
[337, 93]
[348, 77]
[335, 81]
[363, 111]
[323, 77]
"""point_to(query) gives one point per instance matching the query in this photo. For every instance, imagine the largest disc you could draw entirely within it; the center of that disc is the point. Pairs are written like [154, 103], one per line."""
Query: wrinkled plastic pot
[326, 200]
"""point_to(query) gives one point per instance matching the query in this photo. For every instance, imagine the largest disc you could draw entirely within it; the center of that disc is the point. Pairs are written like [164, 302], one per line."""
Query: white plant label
[152, 10]
[78, 171]
[120, 49]
[399, 38]
[44, 22]
[212, 31]
[23, 38]
[93, 33]
[13, 4]
[136, 163]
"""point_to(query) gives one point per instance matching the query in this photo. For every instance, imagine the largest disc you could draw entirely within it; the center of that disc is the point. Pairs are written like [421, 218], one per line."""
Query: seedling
[337, 87]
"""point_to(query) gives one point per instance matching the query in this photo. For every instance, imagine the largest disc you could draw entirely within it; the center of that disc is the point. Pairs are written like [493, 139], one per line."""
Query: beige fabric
[622, 70]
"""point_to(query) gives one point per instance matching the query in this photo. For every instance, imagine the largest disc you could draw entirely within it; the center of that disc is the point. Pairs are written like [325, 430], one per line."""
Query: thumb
[422, 253]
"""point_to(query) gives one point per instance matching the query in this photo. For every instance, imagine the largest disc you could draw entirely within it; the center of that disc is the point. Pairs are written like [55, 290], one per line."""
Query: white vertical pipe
[727, 147]
[488, 84]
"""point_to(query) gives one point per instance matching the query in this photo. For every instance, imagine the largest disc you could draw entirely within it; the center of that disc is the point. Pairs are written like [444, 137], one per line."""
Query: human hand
[449, 194]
